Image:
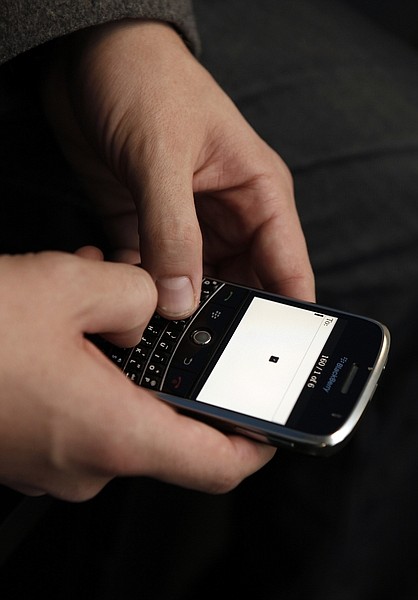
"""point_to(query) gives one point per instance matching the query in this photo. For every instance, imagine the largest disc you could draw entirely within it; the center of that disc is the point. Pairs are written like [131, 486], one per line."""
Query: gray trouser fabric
[336, 94]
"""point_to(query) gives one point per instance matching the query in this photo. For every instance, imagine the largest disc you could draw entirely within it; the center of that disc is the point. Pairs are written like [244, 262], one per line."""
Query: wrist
[127, 38]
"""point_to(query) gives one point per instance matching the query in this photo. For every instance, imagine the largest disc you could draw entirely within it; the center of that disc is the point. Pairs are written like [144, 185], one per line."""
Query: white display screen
[274, 349]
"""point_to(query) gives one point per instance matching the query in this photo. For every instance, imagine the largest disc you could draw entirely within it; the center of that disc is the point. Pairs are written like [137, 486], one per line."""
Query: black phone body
[281, 371]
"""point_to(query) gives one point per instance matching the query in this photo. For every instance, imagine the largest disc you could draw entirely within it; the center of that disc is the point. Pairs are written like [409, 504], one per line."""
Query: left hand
[165, 153]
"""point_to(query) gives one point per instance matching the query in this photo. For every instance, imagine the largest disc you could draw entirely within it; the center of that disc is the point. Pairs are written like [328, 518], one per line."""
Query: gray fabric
[25, 24]
[337, 96]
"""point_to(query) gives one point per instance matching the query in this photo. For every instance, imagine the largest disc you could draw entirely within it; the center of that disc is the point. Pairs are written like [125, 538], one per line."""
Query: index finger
[288, 270]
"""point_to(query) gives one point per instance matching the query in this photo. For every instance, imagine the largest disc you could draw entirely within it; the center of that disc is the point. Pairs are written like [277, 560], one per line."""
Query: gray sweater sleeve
[25, 24]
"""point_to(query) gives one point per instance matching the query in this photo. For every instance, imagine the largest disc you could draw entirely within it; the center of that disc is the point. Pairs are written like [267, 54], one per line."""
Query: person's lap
[337, 96]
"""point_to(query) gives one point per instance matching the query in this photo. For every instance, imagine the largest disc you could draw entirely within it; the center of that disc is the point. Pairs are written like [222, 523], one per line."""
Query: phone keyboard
[172, 355]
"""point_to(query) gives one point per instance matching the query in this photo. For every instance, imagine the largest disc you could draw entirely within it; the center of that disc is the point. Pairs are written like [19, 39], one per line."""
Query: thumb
[120, 300]
[171, 242]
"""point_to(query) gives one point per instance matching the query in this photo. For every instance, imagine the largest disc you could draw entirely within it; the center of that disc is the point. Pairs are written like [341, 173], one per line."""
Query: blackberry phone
[281, 371]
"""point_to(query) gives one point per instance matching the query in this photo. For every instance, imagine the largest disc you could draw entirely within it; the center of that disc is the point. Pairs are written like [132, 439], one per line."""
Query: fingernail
[175, 295]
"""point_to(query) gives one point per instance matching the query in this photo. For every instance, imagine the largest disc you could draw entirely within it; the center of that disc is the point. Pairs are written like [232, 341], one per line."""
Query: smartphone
[281, 371]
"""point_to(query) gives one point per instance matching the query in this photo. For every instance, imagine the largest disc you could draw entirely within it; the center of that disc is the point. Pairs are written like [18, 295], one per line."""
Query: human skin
[175, 170]
[184, 185]
[70, 421]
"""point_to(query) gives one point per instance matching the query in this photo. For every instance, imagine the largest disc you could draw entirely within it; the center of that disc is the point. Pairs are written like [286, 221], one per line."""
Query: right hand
[69, 419]
[178, 176]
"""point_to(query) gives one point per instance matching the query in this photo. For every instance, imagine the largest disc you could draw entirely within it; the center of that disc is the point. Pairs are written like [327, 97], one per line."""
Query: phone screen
[268, 360]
